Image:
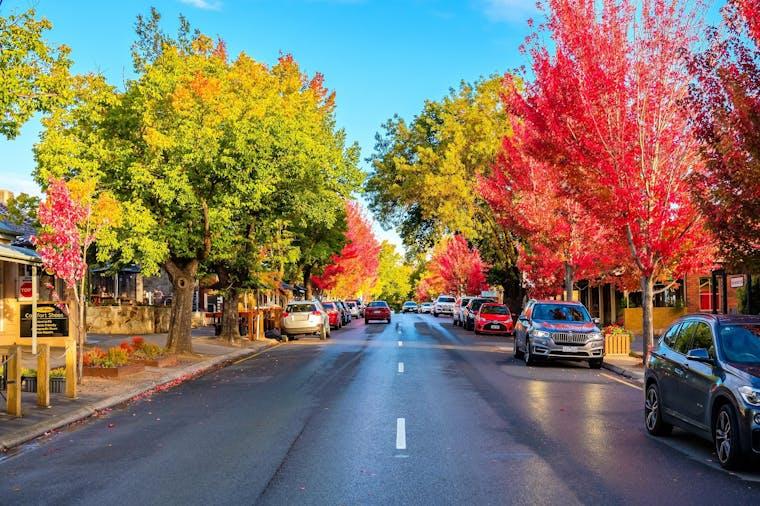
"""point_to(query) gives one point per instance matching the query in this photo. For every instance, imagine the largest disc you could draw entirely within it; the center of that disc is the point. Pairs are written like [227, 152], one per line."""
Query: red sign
[25, 290]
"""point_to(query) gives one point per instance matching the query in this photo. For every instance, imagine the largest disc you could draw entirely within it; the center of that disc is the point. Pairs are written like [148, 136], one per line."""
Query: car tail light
[285, 314]
[315, 313]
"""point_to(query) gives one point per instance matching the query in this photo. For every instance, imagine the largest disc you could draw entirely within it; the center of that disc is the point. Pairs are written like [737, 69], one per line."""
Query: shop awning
[19, 255]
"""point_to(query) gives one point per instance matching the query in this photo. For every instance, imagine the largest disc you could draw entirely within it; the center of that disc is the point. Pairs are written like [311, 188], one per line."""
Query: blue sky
[382, 57]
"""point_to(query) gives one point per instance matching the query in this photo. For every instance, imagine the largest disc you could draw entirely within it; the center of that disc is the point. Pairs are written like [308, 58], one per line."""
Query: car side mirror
[699, 355]
[523, 318]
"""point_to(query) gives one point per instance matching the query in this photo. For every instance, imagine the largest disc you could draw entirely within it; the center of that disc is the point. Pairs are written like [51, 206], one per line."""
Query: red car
[377, 310]
[494, 318]
[333, 312]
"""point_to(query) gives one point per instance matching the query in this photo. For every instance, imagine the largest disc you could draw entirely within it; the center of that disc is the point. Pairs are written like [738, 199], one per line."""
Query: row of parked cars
[315, 317]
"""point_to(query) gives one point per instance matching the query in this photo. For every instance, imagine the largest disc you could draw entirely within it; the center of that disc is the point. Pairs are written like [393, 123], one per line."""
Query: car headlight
[540, 334]
[750, 395]
[595, 336]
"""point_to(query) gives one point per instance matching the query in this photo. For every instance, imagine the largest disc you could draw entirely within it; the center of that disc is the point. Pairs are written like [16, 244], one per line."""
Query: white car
[425, 307]
[304, 317]
[444, 304]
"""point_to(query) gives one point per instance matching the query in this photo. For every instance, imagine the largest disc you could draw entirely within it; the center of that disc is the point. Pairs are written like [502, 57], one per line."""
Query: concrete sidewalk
[97, 394]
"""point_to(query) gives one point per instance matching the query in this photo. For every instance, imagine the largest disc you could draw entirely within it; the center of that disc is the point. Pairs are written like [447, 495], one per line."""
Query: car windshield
[377, 303]
[351, 304]
[741, 343]
[328, 305]
[560, 312]
[410, 304]
[476, 303]
[446, 299]
[494, 310]
[301, 308]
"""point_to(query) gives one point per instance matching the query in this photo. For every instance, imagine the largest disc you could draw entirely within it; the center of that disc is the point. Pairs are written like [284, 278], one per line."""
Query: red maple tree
[606, 106]
[354, 271]
[726, 106]
[453, 268]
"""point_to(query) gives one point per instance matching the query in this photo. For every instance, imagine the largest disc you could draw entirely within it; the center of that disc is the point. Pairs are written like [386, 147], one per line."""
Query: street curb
[176, 376]
[624, 373]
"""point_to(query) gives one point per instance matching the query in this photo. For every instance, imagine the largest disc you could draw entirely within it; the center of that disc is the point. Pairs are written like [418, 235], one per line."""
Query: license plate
[494, 326]
[570, 349]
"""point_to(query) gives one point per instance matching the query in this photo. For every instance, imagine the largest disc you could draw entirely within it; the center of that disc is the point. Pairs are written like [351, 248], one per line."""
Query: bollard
[71, 369]
[43, 375]
[14, 381]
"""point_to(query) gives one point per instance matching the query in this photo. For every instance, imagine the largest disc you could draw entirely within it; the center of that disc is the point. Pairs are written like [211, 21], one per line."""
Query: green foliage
[394, 277]
[34, 75]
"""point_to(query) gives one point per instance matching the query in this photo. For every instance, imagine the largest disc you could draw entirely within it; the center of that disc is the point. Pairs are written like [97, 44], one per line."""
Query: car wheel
[284, 337]
[653, 413]
[477, 332]
[530, 360]
[517, 352]
[595, 363]
[435, 314]
[726, 437]
[323, 333]
[329, 331]
[366, 321]
[389, 320]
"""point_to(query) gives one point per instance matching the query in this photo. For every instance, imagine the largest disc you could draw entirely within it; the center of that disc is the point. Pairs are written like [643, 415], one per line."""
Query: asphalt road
[415, 412]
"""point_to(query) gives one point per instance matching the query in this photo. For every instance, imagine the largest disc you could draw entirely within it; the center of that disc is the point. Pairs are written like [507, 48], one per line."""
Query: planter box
[165, 361]
[29, 384]
[57, 385]
[617, 344]
[113, 372]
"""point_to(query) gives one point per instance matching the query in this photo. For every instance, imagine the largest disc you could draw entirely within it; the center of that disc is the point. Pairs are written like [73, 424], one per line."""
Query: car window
[683, 339]
[377, 304]
[741, 343]
[328, 305]
[301, 308]
[560, 312]
[669, 338]
[446, 299]
[494, 310]
[703, 338]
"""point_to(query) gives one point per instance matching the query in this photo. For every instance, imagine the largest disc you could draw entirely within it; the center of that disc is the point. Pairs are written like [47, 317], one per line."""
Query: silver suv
[304, 317]
[551, 329]
[444, 304]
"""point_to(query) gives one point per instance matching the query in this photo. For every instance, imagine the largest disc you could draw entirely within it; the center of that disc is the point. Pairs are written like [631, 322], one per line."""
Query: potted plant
[58, 380]
[617, 340]
[109, 364]
[28, 380]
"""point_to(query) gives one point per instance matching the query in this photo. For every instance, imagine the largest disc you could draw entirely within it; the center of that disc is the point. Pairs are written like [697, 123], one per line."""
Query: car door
[699, 378]
[673, 368]
[521, 328]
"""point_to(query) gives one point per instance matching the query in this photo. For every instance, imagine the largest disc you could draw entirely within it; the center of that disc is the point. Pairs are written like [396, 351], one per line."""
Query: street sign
[25, 290]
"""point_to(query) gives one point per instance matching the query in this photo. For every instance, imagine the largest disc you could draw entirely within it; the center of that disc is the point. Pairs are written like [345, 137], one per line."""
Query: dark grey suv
[552, 329]
[704, 376]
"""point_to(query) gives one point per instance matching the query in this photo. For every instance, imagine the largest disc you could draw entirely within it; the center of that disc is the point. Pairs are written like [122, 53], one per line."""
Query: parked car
[704, 376]
[456, 312]
[353, 307]
[444, 304]
[425, 307]
[551, 329]
[493, 318]
[377, 310]
[304, 317]
[344, 311]
[470, 311]
[409, 307]
[334, 313]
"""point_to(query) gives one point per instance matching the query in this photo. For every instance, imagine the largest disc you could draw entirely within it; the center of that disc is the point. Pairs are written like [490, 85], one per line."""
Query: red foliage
[356, 266]
[453, 268]
[606, 111]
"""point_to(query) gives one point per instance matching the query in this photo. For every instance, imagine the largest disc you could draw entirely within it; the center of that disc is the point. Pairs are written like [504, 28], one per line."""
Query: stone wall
[133, 320]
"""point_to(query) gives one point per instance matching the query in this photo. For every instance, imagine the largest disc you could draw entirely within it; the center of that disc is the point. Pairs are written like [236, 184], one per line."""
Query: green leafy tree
[34, 74]
[393, 276]
[424, 173]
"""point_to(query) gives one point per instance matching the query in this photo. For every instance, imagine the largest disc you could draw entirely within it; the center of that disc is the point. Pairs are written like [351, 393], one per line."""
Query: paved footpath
[97, 394]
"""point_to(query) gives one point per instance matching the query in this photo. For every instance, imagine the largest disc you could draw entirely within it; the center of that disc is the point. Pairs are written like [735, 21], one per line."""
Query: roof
[18, 255]
[12, 230]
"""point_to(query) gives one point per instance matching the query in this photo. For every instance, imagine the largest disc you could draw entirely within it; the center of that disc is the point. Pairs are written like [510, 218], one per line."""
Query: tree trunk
[307, 281]
[647, 310]
[569, 277]
[230, 315]
[76, 325]
[182, 274]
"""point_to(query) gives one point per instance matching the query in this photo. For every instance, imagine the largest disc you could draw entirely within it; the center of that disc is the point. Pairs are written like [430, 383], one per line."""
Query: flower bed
[57, 380]
[617, 340]
[149, 354]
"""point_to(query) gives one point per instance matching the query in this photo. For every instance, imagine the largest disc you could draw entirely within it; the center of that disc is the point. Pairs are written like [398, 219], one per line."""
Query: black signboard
[51, 322]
